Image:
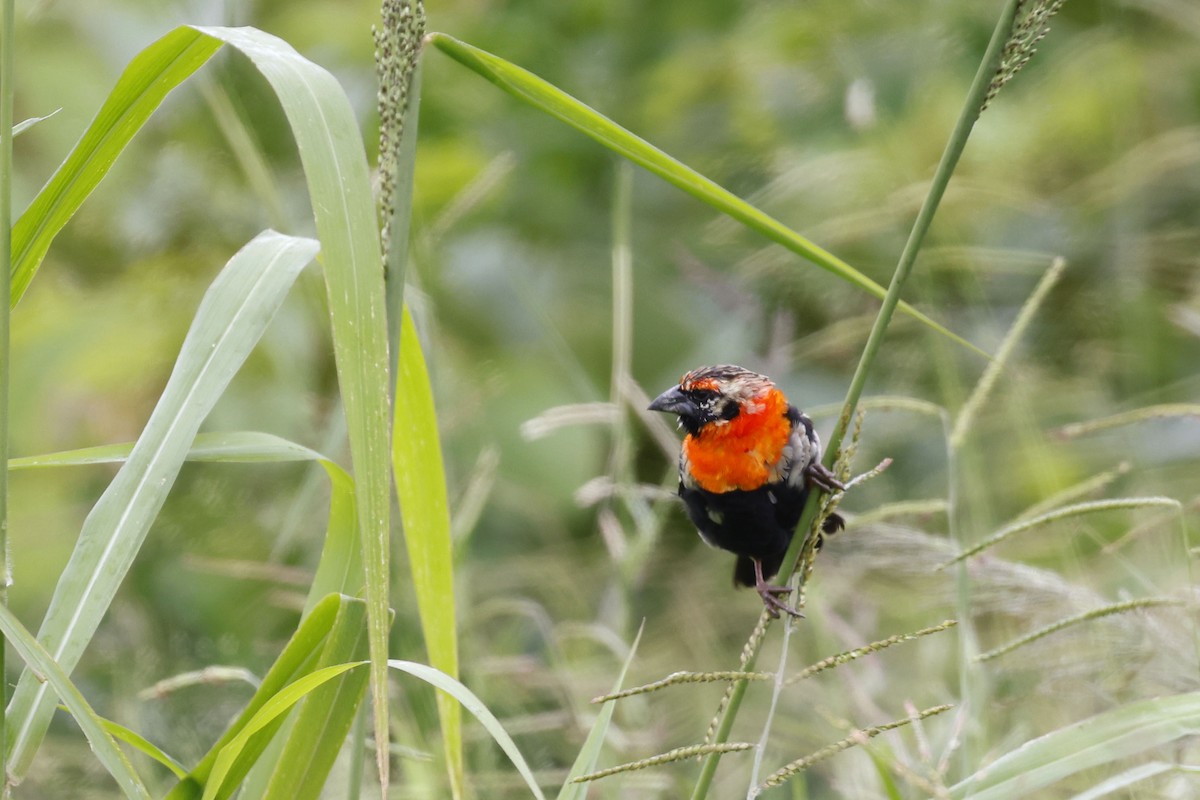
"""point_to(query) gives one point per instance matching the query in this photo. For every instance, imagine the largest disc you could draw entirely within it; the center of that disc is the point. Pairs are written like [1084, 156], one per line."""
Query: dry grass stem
[873, 647]
[678, 754]
[1087, 616]
[991, 374]
[1078, 509]
[1165, 411]
[1091, 486]
[677, 678]
[749, 653]
[781, 776]
[908, 508]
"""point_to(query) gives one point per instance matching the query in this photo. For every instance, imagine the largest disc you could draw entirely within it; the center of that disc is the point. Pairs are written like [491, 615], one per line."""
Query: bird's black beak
[674, 401]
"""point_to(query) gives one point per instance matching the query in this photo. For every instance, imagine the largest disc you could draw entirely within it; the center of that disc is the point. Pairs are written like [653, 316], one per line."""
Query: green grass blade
[315, 740]
[229, 322]
[1106, 738]
[7, 60]
[271, 712]
[589, 754]
[339, 185]
[424, 509]
[476, 708]
[526, 86]
[238, 447]
[106, 750]
[148, 79]
[340, 566]
[143, 745]
[297, 657]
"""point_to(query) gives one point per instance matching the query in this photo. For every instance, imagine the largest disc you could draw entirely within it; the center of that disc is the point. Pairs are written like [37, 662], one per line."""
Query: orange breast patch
[740, 453]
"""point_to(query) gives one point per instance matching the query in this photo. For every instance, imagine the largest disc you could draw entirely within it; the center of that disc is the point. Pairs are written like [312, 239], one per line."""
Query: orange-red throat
[740, 453]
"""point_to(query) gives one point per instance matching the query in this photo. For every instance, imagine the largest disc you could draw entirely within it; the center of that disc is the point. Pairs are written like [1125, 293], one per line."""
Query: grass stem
[7, 45]
[977, 95]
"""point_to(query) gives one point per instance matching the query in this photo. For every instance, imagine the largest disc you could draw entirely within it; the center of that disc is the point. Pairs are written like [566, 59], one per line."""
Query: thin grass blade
[106, 750]
[589, 754]
[26, 124]
[339, 185]
[339, 569]
[231, 318]
[143, 745]
[526, 86]
[297, 658]
[425, 511]
[476, 708]
[148, 79]
[323, 722]
[271, 712]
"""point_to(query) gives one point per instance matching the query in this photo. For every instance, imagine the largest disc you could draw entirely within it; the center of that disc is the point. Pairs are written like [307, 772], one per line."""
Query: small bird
[747, 465]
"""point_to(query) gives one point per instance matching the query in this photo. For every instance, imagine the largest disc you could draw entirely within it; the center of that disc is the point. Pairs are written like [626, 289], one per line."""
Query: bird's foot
[822, 477]
[770, 594]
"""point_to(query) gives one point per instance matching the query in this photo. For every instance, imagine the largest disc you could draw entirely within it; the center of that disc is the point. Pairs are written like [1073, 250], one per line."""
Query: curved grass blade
[340, 565]
[475, 706]
[231, 318]
[229, 446]
[26, 124]
[106, 750]
[589, 754]
[143, 745]
[324, 720]
[297, 658]
[148, 79]
[425, 512]
[1123, 732]
[524, 85]
[272, 711]
[339, 184]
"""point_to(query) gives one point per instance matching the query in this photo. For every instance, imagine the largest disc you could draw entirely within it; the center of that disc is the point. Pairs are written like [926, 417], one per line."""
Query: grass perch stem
[977, 95]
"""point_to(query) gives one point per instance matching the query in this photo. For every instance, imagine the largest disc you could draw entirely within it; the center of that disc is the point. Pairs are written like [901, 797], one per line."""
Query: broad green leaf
[1123, 732]
[339, 185]
[231, 318]
[297, 658]
[106, 750]
[144, 745]
[143, 85]
[320, 728]
[476, 708]
[589, 754]
[424, 509]
[526, 86]
[270, 715]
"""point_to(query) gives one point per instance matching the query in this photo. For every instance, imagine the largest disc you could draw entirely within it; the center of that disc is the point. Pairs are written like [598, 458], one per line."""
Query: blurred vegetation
[828, 115]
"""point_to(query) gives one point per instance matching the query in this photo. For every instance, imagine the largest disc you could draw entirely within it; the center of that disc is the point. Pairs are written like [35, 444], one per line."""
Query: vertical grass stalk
[977, 95]
[7, 43]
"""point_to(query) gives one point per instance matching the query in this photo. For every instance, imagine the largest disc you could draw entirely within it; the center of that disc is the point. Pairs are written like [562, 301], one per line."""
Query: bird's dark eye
[713, 405]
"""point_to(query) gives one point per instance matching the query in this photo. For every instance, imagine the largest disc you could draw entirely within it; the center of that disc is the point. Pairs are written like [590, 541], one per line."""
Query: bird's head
[714, 396]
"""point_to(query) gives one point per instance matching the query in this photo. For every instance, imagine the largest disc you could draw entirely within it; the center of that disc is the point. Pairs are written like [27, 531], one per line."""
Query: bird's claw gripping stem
[823, 478]
[770, 595]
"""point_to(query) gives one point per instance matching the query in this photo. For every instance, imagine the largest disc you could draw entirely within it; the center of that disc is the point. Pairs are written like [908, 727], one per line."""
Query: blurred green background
[828, 115]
